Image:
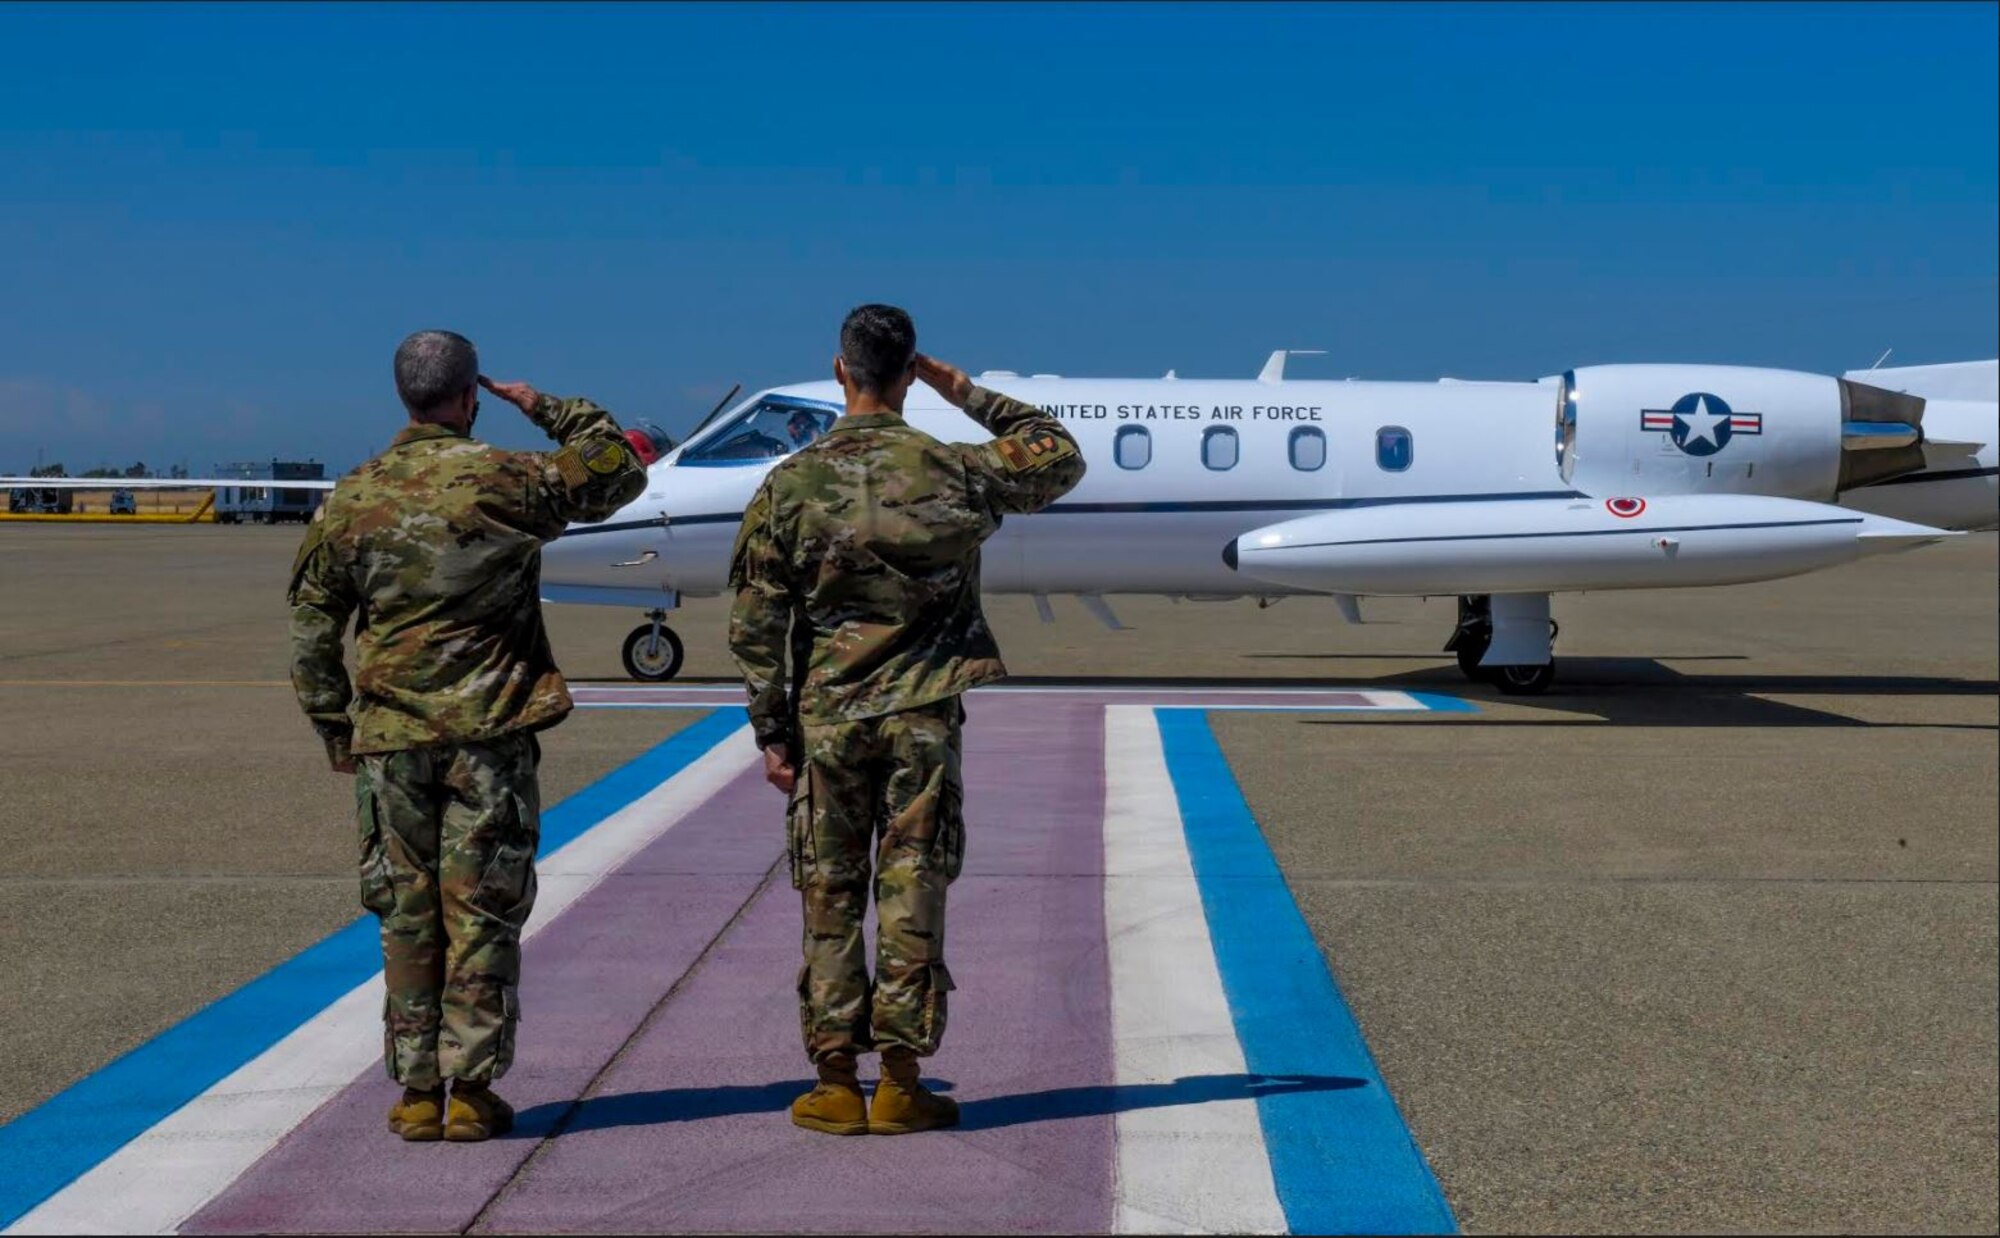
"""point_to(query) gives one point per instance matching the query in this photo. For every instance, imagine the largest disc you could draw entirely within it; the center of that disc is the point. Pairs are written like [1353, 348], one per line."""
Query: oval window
[1394, 449]
[1133, 447]
[1308, 449]
[1219, 448]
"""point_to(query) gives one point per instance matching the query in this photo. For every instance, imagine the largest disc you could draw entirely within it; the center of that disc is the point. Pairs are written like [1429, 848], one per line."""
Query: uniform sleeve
[760, 621]
[1030, 463]
[322, 600]
[590, 476]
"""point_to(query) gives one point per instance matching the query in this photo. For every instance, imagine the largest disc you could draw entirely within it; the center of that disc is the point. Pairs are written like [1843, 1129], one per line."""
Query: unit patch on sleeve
[603, 456]
[1036, 451]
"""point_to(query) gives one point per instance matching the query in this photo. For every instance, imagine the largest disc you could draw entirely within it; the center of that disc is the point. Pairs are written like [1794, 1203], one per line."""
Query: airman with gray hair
[432, 369]
[436, 545]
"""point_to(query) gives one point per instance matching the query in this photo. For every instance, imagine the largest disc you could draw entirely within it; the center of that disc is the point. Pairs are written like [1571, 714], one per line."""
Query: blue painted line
[1439, 702]
[50, 1146]
[1343, 1160]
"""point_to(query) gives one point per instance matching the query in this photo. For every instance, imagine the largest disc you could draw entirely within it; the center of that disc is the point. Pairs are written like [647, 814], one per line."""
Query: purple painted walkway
[685, 1130]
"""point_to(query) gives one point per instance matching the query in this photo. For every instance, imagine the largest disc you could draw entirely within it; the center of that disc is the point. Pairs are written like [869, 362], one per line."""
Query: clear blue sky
[216, 222]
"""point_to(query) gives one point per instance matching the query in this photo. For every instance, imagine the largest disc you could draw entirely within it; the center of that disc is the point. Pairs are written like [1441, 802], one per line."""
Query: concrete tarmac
[1705, 939]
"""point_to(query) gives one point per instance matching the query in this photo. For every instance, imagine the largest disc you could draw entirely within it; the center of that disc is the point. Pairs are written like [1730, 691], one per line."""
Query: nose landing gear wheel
[653, 653]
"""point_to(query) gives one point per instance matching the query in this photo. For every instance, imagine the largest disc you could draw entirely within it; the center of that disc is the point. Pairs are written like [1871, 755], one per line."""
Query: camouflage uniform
[858, 565]
[434, 548]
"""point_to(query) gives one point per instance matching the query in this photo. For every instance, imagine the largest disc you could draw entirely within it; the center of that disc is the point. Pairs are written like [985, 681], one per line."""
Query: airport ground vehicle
[40, 500]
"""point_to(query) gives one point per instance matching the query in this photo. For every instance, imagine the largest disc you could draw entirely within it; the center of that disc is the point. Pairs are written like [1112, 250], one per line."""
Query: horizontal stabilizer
[1937, 451]
[1959, 380]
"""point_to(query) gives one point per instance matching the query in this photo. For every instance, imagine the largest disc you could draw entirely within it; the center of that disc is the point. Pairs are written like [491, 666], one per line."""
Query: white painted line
[154, 1183]
[1383, 700]
[1196, 1168]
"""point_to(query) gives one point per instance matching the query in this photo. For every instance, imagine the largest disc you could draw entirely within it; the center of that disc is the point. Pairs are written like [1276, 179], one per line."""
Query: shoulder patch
[569, 466]
[603, 456]
[1036, 451]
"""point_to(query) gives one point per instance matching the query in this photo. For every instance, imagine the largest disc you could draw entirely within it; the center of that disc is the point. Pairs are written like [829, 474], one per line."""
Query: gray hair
[433, 367]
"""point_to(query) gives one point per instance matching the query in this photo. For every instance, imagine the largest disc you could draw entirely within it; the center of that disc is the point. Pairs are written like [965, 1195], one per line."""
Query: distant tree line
[135, 469]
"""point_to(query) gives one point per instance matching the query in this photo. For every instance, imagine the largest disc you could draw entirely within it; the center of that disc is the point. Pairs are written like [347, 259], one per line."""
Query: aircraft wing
[165, 483]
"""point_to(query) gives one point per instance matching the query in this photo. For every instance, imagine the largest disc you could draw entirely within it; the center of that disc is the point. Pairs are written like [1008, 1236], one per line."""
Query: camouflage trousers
[448, 837]
[890, 787]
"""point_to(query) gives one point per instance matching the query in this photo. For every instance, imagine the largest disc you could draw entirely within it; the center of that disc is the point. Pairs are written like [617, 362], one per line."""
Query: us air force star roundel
[1701, 424]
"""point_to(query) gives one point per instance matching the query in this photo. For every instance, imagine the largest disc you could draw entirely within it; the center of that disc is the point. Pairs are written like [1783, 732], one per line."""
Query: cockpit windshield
[772, 427]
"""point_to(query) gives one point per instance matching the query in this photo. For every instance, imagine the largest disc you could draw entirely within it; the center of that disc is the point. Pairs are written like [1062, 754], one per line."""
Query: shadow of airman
[669, 1105]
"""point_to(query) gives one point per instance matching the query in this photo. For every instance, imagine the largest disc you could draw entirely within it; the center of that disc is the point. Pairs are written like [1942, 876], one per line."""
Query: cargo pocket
[506, 890]
[934, 1007]
[378, 888]
[799, 831]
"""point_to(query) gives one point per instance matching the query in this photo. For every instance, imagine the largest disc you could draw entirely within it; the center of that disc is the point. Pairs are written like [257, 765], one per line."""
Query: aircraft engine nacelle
[1705, 429]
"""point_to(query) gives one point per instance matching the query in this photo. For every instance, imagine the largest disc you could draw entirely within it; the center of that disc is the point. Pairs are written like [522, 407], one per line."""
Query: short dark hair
[877, 342]
[433, 367]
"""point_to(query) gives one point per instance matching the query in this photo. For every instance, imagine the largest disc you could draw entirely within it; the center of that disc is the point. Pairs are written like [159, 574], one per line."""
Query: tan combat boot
[904, 1106]
[419, 1116]
[476, 1114]
[835, 1106]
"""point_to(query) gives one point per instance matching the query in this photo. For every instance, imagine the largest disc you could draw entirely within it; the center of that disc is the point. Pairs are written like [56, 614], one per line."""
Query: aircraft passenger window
[1218, 448]
[1133, 447]
[1394, 449]
[1308, 449]
[776, 426]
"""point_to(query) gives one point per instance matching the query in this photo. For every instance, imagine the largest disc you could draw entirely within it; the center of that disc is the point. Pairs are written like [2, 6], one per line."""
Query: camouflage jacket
[434, 547]
[858, 563]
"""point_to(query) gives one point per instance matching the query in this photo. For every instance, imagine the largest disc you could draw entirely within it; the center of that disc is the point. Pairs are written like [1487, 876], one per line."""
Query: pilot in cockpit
[773, 428]
[805, 426]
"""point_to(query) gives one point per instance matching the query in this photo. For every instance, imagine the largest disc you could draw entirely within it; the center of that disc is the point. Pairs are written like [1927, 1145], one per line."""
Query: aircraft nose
[1229, 554]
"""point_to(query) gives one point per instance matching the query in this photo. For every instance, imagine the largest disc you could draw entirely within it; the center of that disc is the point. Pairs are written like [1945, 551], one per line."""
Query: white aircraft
[1497, 493]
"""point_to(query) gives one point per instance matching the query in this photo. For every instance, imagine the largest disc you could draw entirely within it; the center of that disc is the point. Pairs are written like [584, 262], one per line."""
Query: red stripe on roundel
[1625, 509]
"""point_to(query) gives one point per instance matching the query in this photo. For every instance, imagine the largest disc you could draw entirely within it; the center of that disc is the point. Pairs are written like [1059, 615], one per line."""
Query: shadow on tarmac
[1621, 691]
[1624, 691]
[694, 1104]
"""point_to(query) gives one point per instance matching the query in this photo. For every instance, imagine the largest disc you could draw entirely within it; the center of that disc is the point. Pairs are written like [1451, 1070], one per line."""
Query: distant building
[267, 503]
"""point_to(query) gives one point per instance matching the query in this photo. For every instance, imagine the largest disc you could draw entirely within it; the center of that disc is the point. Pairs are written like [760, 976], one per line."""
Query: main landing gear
[1519, 624]
[652, 652]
